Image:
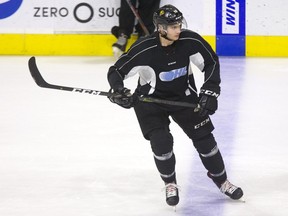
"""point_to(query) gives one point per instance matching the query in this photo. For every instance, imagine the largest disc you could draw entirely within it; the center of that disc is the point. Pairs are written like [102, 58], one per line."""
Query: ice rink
[71, 154]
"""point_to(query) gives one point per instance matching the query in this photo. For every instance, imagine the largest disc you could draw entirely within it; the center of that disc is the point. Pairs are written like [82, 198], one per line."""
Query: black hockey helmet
[167, 15]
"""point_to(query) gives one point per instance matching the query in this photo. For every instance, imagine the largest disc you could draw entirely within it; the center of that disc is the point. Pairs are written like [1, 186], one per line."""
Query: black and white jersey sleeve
[137, 60]
[203, 56]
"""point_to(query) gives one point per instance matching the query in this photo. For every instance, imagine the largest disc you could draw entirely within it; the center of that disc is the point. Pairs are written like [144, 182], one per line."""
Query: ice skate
[172, 194]
[229, 189]
[120, 45]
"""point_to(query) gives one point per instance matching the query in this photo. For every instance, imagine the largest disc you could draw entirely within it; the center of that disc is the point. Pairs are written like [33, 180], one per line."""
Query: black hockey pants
[154, 122]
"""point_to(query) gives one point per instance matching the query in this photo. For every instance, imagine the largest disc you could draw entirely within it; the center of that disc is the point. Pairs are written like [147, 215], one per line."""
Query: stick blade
[35, 73]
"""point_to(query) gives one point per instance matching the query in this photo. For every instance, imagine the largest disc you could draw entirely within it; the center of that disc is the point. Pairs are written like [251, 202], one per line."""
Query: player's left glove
[208, 102]
[123, 97]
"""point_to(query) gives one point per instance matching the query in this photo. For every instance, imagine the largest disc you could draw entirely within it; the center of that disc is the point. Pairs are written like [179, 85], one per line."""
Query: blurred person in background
[127, 21]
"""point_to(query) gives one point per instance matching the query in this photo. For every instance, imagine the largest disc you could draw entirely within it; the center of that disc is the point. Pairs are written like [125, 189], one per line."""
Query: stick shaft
[40, 81]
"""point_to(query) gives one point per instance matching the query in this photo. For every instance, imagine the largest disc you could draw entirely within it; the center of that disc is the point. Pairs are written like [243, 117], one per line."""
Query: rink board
[100, 45]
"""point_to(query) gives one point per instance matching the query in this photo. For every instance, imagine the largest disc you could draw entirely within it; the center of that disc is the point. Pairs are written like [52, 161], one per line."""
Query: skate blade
[242, 200]
[174, 208]
[117, 52]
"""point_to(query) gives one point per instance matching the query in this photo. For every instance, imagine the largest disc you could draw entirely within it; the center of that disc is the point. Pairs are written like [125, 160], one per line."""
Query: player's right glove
[208, 102]
[123, 97]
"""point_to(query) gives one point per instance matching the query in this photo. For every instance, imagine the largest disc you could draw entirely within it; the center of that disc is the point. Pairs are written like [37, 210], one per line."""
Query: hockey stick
[138, 17]
[35, 73]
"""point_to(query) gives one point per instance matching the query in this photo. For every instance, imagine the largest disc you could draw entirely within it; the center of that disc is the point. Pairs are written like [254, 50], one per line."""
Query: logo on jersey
[9, 7]
[168, 76]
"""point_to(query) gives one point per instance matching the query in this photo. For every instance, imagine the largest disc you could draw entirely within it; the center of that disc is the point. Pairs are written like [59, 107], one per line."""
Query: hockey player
[162, 61]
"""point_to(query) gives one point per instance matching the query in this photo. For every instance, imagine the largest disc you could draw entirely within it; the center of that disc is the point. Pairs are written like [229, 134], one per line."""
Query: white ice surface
[70, 154]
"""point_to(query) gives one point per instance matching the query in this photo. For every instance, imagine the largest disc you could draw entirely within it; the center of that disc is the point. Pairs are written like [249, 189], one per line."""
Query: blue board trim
[230, 27]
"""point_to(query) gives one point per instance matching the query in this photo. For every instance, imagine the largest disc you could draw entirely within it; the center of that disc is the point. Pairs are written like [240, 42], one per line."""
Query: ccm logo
[202, 123]
[88, 91]
[208, 92]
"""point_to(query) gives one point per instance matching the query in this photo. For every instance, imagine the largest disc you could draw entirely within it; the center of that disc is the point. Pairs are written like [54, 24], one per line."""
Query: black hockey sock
[166, 167]
[211, 157]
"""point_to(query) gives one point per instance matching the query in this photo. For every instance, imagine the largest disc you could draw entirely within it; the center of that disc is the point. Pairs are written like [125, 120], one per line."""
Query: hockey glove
[123, 97]
[208, 102]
